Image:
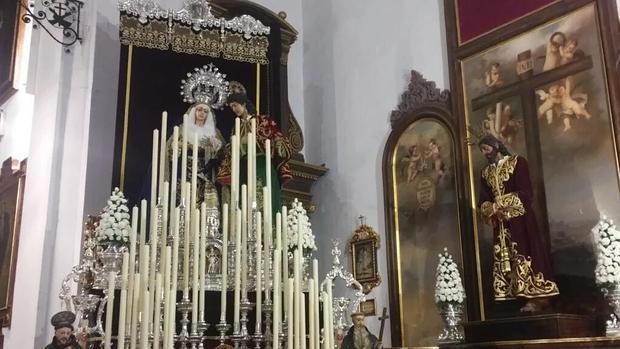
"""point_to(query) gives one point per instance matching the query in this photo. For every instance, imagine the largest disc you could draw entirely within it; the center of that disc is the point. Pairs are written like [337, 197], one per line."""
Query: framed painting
[547, 88]
[12, 179]
[422, 209]
[10, 30]
[368, 307]
[363, 249]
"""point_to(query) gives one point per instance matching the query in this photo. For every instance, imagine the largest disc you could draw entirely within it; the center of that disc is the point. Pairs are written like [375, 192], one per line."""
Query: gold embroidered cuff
[486, 209]
[510, 205]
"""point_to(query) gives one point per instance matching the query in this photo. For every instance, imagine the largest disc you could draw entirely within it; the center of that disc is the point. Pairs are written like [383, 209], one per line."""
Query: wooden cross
[362, 220]
[383, 317]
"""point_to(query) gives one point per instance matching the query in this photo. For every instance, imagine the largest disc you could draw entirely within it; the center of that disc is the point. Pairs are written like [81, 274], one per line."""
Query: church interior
[308, 174]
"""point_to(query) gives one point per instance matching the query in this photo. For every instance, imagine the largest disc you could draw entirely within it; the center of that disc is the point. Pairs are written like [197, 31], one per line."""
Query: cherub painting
[560, 102]
[423, 158]
[501, 123]
[493, 77]
[560, 50]
[412, 160]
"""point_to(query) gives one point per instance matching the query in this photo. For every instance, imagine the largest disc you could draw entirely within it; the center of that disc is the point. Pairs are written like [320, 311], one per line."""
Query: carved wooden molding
[420, 93]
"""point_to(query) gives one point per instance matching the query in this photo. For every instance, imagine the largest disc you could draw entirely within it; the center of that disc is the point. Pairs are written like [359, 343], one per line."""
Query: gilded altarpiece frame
[546, 85]
[421, 194]
[12, 181]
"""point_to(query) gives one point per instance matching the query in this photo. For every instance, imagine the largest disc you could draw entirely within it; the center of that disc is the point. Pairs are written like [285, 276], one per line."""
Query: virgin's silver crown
[205, 85]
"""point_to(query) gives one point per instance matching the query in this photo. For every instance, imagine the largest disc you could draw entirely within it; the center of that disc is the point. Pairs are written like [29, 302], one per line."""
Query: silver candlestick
[222, 328]
[202, 328]
[258, 339]
[184, 306]
[268, 309]
[245, 308]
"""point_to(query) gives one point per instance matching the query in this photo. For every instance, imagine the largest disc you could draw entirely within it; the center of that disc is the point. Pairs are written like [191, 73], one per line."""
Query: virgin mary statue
[201, 125]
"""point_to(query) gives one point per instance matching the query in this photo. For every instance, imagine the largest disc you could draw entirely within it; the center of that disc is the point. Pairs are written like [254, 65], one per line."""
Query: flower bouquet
[607, 272]
[114, 226]
[298, 222]
[297, 216]
[449, 297]
[112, 235]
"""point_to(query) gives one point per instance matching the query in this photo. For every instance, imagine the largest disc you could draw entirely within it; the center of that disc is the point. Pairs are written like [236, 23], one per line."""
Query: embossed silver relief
[196, 13]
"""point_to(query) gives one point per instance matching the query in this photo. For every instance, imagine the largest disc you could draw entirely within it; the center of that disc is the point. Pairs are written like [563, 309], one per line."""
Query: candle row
[150, 272]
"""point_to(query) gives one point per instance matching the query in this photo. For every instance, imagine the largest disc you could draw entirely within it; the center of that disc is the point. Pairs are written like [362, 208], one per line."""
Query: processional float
[175, 244]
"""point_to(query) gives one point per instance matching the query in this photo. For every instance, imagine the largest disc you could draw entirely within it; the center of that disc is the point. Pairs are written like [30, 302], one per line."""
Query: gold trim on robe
[513, 275]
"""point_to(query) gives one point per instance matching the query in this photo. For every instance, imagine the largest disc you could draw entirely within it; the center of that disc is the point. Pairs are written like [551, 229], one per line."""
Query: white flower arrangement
[114, 224]
[607, 241]
[448, 287]
[297, 215]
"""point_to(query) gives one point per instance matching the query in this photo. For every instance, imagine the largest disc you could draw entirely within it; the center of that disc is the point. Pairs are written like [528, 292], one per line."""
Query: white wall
[357, 59]
[16, 124]
[68, 90]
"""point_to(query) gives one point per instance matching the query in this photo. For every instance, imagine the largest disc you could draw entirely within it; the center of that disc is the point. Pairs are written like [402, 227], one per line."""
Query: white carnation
[114, 222]
[448, 287]
[297, 219]
[607, 242]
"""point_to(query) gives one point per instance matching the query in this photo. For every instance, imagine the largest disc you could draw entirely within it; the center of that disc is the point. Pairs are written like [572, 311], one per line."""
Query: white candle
[135, 311]
[303, 321]
[174, 171]
[186, 238]
[122, 312]
[297, 293]
[290, 301]
[203, 260]
[325, 320]
[144, 271]
[142, 223]
[315, 276]
[144, 324]
[184, 154]
[132, 262]
[195, 270]
[330, 313]
[154, 169]
[224, 263]
[235, 165]
[285, 264]
[163, 160]
[237, 294]
[174, 278]
[285, 243]
[311, 314]
[244, 238]
[277, 297]
[253, 158]
[269, 214]
[153, 259]
[164, 218]
[267, 232]
[194, 173]
[157, 311]
[109, 313]
[167, 299]
[279, 231]
[259, 266]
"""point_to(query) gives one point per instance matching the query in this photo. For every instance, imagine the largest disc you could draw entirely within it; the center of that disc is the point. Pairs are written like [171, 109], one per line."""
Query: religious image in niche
[427, 216]
[364, 261]
[571, 147]
[7, 214]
